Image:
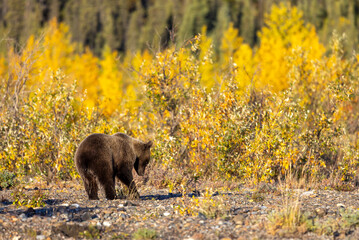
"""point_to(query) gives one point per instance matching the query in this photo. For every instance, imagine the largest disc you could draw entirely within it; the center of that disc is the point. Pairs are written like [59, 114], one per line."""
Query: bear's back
[96, 144]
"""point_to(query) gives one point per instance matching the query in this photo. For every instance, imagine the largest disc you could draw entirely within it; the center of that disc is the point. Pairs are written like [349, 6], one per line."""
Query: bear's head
[143, 158]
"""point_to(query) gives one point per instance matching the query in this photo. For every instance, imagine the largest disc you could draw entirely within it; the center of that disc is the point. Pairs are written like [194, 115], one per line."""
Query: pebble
[202, 216]
[256, 208]
[86, 216]
[166, 214]
[106, 224]
[307, 193]
[340, 205]
[75, 205]
[40, 237]
[320, 212]
[23, 216]
[98, 224]
[124, 216]
[239, 219]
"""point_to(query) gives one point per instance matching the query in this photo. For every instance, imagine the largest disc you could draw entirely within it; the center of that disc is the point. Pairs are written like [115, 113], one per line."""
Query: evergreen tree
[194, 19]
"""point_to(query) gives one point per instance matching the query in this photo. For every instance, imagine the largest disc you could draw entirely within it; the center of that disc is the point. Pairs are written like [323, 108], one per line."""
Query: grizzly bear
[104, 157]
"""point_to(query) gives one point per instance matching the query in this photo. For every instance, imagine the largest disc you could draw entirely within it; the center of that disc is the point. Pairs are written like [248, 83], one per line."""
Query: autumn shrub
[7, 179]
[245, 131]
[287, 106]
[22, 197]
[39, 135]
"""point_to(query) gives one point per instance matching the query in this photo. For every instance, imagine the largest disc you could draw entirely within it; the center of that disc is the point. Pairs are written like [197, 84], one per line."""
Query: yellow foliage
[243, 114]
[238, 57]
[280, 40]
[206, 67]
[85, 69]
[110, 82]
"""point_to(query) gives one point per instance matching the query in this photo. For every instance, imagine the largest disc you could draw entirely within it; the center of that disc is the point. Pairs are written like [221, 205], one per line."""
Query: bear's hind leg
[108, 184]
[90, 185]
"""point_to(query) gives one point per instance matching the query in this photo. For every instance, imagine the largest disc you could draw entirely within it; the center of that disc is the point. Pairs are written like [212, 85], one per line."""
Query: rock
[106, 223]
[307, 193]
[23, 216]
[202, 216]
[75, 205]
[239, 219]
[340, 205]
[166, 214]
[321, 212]
[256, 208]
[86, 216]
[129, 203]
[197, 236]
[64, 216]
[124, 216]
[69, 230]
[40, 237]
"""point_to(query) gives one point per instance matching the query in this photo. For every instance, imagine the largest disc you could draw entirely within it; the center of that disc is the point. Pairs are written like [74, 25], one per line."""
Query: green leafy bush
[7, 179]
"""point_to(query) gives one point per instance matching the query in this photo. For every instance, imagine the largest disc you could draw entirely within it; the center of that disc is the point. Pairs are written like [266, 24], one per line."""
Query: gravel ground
[236, 214]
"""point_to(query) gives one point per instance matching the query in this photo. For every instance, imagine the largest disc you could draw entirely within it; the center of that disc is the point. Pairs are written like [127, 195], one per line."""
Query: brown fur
[104, 157]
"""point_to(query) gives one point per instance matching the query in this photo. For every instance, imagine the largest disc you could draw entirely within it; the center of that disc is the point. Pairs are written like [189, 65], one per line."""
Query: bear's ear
[149, 144]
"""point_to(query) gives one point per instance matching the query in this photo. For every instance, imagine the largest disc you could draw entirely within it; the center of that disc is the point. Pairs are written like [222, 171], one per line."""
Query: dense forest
[128, 25]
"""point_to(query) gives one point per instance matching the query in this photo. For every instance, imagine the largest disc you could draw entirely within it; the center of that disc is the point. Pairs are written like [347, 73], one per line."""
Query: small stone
[256, 208]
[307, 193]
[321, 212]
[123, 216]
[340, 205]
[40, 237]
[86, 216]
[128, 203]
[202, 216]
[75, 205]
[23, 216]
[197, 236]
[166, 214]
[106, 223]
[239, 219]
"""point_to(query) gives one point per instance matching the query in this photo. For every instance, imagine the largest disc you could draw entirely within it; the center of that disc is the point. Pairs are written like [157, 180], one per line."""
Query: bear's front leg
[127, 179]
